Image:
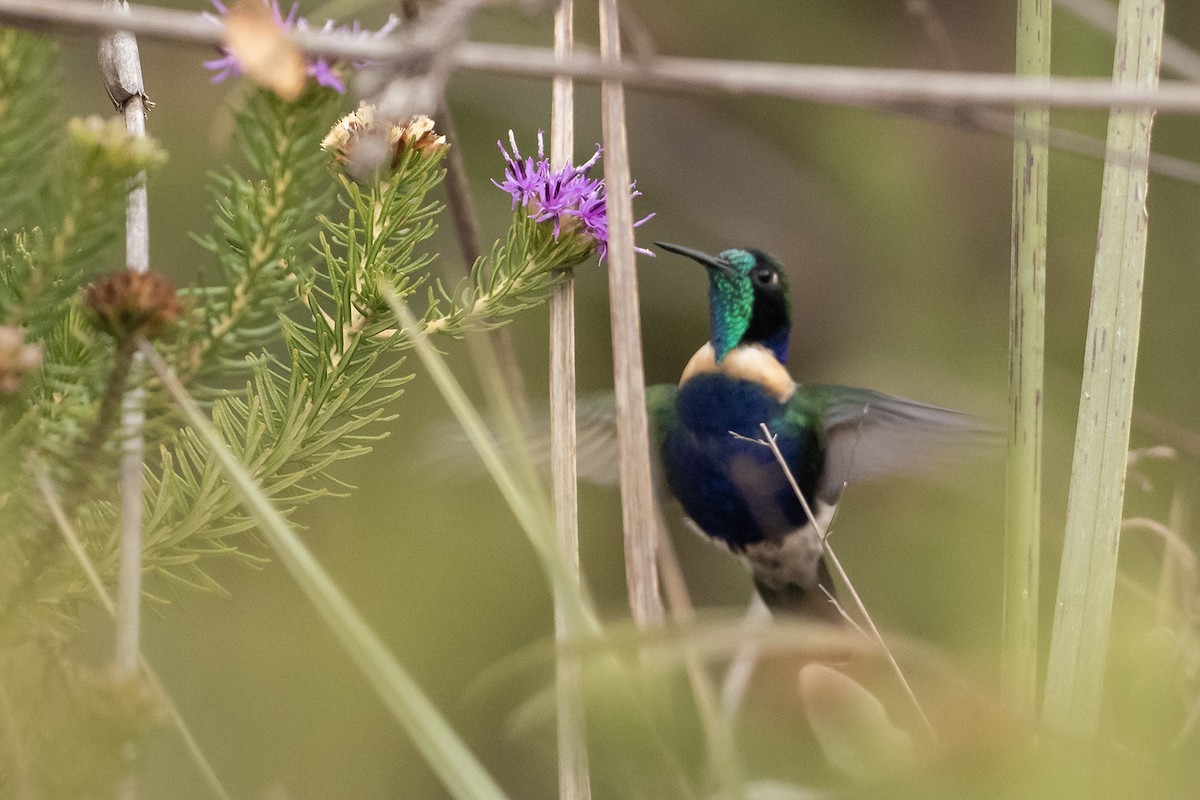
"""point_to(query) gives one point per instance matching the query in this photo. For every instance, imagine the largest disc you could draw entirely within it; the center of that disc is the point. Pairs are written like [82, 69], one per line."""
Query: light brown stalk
[637, 498]
[574, 782]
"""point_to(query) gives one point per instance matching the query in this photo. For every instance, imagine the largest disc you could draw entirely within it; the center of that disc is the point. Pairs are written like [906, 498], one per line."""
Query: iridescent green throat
[730, 302]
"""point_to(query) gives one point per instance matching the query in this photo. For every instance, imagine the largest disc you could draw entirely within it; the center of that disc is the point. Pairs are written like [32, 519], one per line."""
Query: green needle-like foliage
[289, 342]
[264, 225]
[296, 317]
[27, 72]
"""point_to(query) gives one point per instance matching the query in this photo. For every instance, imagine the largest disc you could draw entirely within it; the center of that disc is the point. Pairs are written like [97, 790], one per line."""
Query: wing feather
[871, 435]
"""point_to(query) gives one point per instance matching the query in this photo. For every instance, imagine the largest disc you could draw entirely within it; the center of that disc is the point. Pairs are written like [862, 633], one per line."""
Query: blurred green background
[895, 232]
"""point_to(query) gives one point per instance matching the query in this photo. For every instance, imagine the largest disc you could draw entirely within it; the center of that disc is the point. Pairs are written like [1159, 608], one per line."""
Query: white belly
[793, 560]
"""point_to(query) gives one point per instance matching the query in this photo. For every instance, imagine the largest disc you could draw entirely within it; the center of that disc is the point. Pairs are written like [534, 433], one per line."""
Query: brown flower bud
[127, 303]
[16, 358]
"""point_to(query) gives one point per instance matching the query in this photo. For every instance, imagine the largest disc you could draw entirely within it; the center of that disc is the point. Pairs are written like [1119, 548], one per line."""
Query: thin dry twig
[987, 120]
[852, 86]
[421, 88]
[771, 442]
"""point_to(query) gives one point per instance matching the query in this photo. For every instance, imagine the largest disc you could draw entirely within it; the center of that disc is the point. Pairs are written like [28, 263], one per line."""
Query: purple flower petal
[558, 195]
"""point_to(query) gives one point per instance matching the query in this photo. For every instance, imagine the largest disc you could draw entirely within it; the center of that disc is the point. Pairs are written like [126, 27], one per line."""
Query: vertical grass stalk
[1026, 354]
[573, 772]
[1079, 643]
[637, 499]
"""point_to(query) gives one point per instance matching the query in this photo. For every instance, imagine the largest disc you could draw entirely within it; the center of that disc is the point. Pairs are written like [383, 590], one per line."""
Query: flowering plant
[321, 68]
[568, 197]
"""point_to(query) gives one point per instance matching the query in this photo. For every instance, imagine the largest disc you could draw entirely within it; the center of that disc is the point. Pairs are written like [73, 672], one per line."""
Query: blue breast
[733, 489]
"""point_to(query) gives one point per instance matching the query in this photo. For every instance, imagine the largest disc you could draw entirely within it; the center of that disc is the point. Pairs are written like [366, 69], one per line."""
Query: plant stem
[574, 782]
[637, 499]
[1026, 353]
[121, 66]
[1079, 644]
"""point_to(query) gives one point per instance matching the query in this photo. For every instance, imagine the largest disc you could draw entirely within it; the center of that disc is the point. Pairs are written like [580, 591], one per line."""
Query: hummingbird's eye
[764, 276]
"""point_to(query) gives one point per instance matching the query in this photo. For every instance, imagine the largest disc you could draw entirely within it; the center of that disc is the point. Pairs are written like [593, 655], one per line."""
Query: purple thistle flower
[321, 68]
[560, 194]
[522, 178]
[566, 194]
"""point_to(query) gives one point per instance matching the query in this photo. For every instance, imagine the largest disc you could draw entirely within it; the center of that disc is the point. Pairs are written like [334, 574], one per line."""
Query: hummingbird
[708, 432]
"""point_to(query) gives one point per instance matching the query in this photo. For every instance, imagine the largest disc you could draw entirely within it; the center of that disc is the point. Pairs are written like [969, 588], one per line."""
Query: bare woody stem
[121, 66]
[770, 441]
[852, 86]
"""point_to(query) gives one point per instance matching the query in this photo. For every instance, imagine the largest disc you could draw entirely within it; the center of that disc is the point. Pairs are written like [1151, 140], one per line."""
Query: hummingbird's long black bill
[709, 262]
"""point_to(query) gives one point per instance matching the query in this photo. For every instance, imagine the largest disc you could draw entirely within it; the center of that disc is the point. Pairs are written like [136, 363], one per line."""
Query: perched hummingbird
[708, 435]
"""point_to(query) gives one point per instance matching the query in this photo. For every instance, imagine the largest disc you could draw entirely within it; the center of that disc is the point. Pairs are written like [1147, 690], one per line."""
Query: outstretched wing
[870, 435]
[450, 454]
[598, 448]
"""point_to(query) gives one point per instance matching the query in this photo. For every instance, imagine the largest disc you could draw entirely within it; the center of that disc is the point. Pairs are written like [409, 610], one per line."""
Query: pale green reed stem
[1026, 353]
[1079, 644]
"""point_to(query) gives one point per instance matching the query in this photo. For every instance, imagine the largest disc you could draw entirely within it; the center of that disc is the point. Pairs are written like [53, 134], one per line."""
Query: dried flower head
[16, 358]
[568, 197]
[364, 140]
[126, 303]
[325, 71]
